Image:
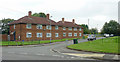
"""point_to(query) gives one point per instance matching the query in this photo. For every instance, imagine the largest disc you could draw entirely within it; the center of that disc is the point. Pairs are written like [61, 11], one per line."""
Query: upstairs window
[56, 35]
[28, 35]
[28, 26]
[48, 27]
[39, 26]
[80, 29]
[79, 34]
[64, 28]
[56, 27]
[75, 29]
[70, 28]
[39, 34]
[14, 26]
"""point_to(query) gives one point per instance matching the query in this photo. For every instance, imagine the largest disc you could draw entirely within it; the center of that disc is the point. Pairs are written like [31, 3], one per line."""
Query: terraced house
[38, 28]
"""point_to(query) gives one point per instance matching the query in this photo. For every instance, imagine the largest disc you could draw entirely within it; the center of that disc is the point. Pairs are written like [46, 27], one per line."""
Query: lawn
[106, 45]
[6, 43]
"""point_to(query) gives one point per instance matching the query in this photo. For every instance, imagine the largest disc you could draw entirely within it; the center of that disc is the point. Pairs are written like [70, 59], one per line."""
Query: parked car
[111, 35]
[91, 37]
[106, 35]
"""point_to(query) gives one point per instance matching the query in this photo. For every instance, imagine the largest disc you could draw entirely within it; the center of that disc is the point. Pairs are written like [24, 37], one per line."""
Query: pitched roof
[34, 20]
[68, 24]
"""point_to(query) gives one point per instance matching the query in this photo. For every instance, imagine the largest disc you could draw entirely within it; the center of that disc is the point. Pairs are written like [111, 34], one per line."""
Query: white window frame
[56, 34]
[39, 34]
[64, 28]
[48, 27]
[69, 34]
[47, 34]
[80, 29]
[28, 35]
[75, 34]
[70, 28]
[29, 27]
[14, 26]
[64, 34]
[75, 29]
[56, 27]
[79, 34]
[39, 26]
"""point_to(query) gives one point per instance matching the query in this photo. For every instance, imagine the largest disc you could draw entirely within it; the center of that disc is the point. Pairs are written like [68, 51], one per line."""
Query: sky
[97, 11]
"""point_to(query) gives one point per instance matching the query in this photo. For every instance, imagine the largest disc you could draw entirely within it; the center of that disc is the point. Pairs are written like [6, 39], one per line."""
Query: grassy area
[5, 43]
[106, 45]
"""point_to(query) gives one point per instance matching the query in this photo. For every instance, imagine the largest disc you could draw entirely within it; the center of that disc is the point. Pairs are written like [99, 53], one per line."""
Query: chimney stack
[73, 20]
[47, 16]
[29, 13]
[62, 20]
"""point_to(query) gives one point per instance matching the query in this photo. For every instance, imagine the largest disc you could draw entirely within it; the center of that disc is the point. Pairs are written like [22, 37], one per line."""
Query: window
[70, 34]
[70, 28]
[79, 34]
[80, 29]
[29, 35]
[64, 28]
[56, 27]
[39, 34]
[64, 34]
[56, 35]
[75, 34]
[75, 29]
[14, 26]
[39, 26]
[48, 34]
[48, 27]
[28, 26]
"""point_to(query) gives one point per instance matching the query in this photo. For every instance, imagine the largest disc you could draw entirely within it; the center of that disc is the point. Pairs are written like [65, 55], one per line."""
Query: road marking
[11, 52]
[23, 53]
[40, 54]
[72, 57]
[85, 55]
[56, 55]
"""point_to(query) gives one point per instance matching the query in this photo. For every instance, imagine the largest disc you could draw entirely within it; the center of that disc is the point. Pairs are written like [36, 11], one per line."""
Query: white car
[91, 37]
[106, 35]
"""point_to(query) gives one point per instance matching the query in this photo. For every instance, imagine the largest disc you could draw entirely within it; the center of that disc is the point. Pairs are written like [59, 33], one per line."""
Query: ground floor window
[28, 34]
[64, 34]
[39, 34]
[56, 35]
[79, 34]
[69, 34]
[75, 34]
[48, 34]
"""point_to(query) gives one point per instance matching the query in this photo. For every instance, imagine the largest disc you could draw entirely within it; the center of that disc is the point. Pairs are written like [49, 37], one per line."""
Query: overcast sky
[97, 11]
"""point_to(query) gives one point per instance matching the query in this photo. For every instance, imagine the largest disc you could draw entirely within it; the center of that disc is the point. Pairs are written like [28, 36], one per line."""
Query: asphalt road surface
[39, 52]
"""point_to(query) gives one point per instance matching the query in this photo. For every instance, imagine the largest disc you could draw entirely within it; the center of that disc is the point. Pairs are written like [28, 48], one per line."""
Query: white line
[23, 53]
[55, 55]
[40, 54]
[11, 52]
[72, 57]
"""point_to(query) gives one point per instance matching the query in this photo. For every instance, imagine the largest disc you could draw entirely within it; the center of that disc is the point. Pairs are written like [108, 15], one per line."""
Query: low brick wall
[3, 37]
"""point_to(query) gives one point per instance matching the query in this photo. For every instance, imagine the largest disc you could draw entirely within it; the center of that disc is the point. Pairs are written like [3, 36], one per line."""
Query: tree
[4, 25]
[85, 28]
[94, 31]
[39, 14]
[110, 28]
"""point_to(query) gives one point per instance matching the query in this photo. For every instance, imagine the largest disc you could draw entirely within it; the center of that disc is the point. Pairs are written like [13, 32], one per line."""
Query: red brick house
[38, 28]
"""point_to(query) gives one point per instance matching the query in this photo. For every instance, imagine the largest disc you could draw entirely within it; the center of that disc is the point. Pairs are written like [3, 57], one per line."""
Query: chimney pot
[73, 20]
[62, 20]
[47, 16]
[29, 13]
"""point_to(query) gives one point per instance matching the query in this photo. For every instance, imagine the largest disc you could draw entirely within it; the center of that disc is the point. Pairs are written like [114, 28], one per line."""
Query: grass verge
[106, 45]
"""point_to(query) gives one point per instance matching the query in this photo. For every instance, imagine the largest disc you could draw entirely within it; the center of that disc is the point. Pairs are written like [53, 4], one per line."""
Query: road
[40, 52]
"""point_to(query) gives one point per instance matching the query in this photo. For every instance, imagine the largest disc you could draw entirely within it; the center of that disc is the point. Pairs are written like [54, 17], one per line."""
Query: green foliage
[39, 14]
[85, 28]
[4, 25]
[111, 28]
[94, 31]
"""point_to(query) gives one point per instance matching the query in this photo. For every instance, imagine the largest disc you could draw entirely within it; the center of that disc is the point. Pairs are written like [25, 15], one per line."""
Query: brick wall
[23, 30]
[3, 37]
